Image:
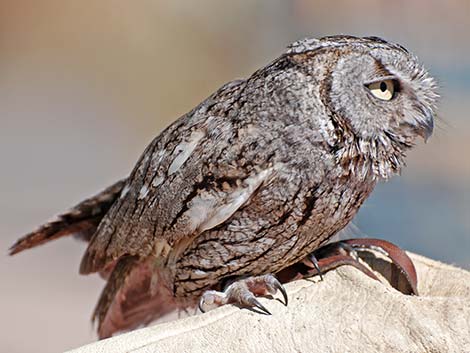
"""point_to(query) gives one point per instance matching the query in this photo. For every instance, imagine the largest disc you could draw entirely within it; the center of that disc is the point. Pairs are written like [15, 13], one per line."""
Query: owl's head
[377, 92]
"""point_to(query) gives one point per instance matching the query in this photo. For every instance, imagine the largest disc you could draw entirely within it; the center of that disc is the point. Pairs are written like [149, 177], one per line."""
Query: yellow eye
[383, 90]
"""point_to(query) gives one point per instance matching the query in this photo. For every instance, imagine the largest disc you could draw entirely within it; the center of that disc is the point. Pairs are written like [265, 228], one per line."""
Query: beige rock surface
[346, 312]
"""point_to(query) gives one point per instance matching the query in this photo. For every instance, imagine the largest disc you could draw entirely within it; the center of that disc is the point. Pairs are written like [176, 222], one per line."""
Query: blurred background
[85, 86]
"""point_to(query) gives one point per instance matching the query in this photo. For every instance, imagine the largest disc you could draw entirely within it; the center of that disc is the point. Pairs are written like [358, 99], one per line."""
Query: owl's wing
[187, 181]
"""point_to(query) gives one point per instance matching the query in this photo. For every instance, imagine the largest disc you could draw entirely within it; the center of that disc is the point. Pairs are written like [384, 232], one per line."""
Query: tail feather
[129, 299]
[81, 221]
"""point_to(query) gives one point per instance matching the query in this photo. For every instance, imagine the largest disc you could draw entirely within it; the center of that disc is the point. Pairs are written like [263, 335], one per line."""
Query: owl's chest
[323, 213]
[330, 208]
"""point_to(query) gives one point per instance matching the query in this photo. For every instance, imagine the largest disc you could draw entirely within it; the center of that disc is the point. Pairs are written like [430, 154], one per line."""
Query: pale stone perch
[347, 312]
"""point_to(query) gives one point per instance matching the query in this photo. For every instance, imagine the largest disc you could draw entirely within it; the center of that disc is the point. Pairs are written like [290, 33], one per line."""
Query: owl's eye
[384, 90]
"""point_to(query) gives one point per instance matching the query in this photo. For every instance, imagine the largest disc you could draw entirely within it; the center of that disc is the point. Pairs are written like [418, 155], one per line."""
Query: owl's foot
[243, 293]
[401, 273]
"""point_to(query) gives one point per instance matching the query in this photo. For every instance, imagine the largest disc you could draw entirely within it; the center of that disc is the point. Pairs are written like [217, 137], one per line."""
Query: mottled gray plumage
[259, 175]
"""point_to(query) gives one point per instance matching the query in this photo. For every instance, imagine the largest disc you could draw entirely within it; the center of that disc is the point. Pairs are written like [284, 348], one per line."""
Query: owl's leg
[243, 292]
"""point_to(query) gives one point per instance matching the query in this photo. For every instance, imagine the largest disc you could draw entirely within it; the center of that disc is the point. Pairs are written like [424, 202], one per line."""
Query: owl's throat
[379, 158]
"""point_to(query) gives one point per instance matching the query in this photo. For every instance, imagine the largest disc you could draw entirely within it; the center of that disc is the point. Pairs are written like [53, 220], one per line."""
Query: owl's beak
[426, 126]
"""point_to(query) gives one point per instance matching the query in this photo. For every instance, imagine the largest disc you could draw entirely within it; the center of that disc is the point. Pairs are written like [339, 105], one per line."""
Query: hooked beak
[426, 126]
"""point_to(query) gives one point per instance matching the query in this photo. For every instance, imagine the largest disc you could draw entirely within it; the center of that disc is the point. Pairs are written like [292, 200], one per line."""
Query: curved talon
[277, 285]
[255, 303]
[314, 261]
[199, 305]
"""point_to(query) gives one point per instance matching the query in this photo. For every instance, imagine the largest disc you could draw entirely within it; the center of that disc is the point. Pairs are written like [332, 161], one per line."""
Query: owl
[251, 181]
